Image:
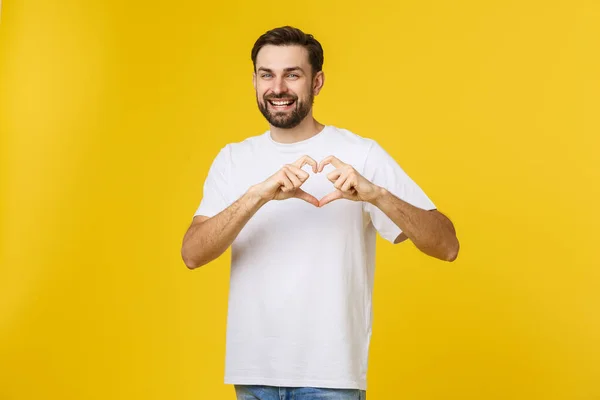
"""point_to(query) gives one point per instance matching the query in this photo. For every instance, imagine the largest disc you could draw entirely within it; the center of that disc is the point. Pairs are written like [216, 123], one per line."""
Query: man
[301, 205]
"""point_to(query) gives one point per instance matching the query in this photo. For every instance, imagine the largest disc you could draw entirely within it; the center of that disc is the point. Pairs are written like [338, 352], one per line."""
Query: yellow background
[112, 111]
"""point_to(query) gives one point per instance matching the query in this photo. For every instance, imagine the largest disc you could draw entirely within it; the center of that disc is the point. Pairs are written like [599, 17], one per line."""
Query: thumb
[331, 197]
[301, 194]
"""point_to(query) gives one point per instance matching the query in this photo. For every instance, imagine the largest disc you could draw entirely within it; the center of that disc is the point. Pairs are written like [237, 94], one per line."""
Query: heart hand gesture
[286, 182]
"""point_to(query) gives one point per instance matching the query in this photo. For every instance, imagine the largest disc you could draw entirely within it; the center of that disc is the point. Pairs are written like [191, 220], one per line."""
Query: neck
[308, 128]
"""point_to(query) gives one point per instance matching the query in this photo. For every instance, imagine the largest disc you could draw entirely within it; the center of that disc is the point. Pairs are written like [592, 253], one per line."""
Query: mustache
[280, 97]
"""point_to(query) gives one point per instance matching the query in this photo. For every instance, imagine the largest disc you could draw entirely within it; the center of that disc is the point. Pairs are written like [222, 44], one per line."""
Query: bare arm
[431, 231]
[208, 238]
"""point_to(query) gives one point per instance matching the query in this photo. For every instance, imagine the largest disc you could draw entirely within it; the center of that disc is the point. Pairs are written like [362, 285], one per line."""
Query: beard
[286, 119]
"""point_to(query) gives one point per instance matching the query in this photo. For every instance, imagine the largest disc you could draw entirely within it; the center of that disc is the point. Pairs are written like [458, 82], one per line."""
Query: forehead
[280, 57]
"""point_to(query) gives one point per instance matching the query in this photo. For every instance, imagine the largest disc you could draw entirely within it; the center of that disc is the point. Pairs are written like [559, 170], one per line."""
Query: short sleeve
[381, 169]
[215, 197]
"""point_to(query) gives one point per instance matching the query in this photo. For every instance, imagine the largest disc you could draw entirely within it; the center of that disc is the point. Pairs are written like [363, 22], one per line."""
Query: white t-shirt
[301, 280]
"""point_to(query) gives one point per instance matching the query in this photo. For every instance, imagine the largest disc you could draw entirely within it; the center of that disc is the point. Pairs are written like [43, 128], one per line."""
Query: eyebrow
[289, 69]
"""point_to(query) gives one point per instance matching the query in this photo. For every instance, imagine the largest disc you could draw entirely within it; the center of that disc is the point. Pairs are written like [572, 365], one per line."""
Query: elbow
[452, 252]
[190, 264]
[194, 252]
[189, 261]
[451, 256]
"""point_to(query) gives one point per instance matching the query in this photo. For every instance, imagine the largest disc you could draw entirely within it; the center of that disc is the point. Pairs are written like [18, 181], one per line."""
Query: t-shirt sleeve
[215, 197]
[381, 169]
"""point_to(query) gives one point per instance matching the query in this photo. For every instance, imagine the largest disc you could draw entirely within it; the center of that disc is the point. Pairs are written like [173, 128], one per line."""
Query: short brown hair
[286, 36]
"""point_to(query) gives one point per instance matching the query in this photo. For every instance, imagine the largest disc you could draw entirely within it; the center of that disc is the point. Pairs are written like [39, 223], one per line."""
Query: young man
[301, 205]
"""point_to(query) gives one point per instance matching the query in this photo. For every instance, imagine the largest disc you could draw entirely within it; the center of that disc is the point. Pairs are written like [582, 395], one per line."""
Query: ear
[318, 82]
[254, 80]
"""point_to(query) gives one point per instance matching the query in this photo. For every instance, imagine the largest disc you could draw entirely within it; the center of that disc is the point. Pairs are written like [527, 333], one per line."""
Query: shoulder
[363, 150]
[369, 155]
[346, 137]
[241, 149]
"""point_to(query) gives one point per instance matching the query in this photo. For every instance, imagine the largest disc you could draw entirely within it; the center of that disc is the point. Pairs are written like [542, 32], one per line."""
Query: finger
[334, 175]
[302, 161]
[348, 185]
[330, 160]
[293, 178]
[300, 173]
[331, 197]
[341, 180]
[301, 194]
[284, 181]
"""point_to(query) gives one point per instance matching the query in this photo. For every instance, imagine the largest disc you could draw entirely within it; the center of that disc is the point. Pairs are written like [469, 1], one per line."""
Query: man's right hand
[286, 182]
[208, 238]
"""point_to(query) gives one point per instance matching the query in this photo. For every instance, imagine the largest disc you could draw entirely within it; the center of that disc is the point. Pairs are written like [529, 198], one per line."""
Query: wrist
[378, 194]
[254, 198]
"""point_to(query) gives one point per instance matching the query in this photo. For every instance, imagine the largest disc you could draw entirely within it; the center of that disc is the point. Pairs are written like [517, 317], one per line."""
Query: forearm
[207, 240]
[431, 232]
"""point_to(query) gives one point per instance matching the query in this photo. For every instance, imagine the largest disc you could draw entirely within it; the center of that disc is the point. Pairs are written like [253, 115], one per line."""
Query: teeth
[281, 103]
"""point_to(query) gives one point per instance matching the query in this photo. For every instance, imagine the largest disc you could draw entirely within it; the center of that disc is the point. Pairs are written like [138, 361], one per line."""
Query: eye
[265, 75]
[293, 75]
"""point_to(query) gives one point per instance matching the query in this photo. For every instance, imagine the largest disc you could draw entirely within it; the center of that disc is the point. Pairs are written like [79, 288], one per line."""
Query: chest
[255, 169]
[295, 218]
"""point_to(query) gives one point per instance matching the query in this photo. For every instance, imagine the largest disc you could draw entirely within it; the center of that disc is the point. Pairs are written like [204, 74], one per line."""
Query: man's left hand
[349, 184]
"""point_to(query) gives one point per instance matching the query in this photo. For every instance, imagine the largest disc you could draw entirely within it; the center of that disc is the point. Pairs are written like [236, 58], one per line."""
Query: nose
[279, 85]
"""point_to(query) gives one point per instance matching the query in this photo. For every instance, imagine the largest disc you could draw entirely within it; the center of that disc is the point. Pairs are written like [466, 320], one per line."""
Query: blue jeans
[259, 392]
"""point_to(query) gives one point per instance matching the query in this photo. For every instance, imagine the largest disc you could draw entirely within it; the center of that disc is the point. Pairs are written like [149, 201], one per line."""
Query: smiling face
[284, 84]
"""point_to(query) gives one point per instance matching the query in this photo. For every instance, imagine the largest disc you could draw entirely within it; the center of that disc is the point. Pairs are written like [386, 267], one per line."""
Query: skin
[284, 72]
[431, 231]
[274, 77]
